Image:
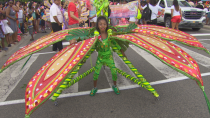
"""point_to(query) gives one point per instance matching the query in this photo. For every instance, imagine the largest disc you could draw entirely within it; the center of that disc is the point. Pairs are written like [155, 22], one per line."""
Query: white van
[191, 17]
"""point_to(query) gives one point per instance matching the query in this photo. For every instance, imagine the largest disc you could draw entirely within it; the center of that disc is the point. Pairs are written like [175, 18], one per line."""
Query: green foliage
[123, 30]
[80, 34]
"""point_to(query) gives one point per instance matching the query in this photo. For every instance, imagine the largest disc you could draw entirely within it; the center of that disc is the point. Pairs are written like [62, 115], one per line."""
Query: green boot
[93, 91]
[116, 90]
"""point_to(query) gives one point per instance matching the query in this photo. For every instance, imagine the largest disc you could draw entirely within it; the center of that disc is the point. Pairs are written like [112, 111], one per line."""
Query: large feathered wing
[37, 45]
[52, 74]
[168, 53]
[171, 35]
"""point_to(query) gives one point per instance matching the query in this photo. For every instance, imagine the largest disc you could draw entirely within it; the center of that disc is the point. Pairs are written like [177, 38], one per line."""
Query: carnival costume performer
[104, 53]
[58, 73]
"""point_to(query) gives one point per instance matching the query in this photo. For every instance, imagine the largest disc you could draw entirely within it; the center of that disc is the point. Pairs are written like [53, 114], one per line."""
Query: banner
[124, 10]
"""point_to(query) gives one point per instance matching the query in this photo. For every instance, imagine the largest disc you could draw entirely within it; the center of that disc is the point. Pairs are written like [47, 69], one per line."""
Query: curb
[206, 26]
[10, 49]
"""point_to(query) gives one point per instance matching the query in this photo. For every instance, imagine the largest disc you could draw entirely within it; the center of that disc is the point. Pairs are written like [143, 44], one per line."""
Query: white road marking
[12, 76]
[44, 53]
[203, 39]
[167, 71]
[204, 34]
[105, 90]
[199, 58]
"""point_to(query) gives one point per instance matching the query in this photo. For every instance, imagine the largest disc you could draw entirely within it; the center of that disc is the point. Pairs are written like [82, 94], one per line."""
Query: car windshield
[181, 3]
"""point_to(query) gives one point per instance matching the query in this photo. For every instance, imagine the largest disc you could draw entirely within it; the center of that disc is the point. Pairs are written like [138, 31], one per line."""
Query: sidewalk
[25, 40]
[206, 26]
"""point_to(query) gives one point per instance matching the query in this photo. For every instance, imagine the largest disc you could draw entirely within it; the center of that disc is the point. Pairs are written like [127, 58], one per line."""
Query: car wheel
[196, 29]
[168, 22]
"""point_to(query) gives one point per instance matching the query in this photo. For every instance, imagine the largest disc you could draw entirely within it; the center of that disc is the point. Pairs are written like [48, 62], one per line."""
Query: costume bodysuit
[104, 58]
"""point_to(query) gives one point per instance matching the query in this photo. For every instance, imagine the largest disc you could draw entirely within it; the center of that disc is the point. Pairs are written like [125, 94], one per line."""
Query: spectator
[154, 9]
[10, 13]
[32, 12]
[176, 15]
[20, 16]
[2, 33]
[92, 14]
[191, 3]
[42, 22]
[37, 11]
[1, 10]
[73, 14]
[7, 30]
[208, 17]
[56, 19]
[206, 12]
[200, 6]
[30, 26]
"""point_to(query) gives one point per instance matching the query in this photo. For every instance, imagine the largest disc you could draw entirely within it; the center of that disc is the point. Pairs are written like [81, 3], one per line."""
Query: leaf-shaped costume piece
[48, 79]
[37, 45]
[171, 35]
[168, 53]
[34, 47]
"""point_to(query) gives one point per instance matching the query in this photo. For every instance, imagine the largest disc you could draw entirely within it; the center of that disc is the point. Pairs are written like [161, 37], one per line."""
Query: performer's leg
[97, 71]
[111, 65]
[95, 77]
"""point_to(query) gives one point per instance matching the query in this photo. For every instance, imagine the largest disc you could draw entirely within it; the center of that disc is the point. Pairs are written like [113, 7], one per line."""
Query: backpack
[139, 15]
[146, 15]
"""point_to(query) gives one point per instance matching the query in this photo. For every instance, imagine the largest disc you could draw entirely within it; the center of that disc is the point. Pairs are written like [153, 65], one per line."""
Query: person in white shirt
[191, 3]
[56, 19]
[176, 15]
[206, 12]
[154, 9]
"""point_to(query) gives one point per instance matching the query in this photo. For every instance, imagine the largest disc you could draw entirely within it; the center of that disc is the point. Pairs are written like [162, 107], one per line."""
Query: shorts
[132, 19]
[208, 15]
[20, 20]
[31, 30]
[42, 23]
[176, 19]
[93, 20]
[37, 17]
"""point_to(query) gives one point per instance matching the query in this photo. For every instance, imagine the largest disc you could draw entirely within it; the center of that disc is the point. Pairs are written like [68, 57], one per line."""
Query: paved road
[180, 97]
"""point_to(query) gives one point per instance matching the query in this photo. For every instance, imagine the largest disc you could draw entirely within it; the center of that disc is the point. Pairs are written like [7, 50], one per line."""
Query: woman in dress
[7, 30]
[10, 13]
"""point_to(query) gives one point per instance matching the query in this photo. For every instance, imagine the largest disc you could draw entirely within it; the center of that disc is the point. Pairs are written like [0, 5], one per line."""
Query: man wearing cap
[56, 19]
[200, 6]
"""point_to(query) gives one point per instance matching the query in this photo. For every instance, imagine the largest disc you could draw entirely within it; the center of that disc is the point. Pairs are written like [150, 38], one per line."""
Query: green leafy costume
[104, 58]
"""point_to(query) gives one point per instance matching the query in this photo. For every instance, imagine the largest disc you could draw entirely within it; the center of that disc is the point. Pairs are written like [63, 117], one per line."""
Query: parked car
[191, 17]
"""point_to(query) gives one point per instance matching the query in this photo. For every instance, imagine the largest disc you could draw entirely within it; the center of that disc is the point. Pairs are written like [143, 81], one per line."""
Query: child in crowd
[30, 26]
[92, 13]
[42, 22]
[2, 34]
[7, 30]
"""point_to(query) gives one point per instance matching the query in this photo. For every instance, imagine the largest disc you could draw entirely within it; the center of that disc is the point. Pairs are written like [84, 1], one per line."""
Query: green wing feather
[80, 34]
[123, 29]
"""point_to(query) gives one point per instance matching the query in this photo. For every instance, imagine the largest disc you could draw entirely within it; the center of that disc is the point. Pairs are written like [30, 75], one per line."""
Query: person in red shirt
[73, 14]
